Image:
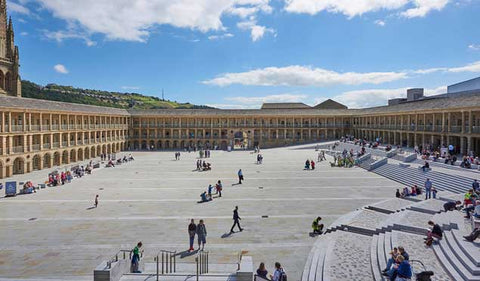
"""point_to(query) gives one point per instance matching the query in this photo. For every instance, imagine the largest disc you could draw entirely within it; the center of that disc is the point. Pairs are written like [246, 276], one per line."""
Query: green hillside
[96, 97]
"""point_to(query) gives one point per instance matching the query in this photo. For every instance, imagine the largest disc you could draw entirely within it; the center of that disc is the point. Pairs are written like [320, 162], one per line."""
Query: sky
[241, 53]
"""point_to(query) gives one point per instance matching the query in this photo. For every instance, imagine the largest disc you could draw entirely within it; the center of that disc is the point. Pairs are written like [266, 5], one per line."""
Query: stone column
[463, 122]
[469, 144]
[2, 125]
[9, 122]
[470, 121]
[462, 145]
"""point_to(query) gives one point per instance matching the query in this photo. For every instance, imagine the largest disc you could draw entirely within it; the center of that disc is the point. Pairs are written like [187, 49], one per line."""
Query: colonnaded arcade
[37, 134]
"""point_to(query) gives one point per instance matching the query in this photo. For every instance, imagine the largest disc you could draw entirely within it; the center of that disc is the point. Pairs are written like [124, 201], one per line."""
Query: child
[434, 192]
[96, 201]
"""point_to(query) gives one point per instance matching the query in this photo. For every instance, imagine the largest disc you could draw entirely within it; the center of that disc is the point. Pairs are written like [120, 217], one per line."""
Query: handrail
[114, 258]
[167, 265]
[202, 263]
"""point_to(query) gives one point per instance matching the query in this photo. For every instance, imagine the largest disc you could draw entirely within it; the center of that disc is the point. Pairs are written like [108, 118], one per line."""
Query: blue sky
[240, 53]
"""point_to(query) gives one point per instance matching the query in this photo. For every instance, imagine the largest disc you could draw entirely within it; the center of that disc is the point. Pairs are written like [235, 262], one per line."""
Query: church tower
[10, 82]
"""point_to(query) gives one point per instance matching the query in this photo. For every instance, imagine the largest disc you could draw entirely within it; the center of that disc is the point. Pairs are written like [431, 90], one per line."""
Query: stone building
[10, 82]
[37, 134]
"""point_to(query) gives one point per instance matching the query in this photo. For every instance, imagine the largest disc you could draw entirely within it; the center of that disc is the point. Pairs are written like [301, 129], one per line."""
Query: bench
[403, 165]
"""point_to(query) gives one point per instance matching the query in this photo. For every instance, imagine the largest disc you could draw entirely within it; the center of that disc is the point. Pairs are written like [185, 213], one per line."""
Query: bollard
[157, 266]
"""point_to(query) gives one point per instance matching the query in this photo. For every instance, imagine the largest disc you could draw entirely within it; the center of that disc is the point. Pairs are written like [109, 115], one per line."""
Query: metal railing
[121, 254]
[202, 263]
[168, 262]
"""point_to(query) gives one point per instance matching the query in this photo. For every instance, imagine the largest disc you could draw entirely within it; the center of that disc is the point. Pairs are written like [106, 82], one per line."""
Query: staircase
[409, 176]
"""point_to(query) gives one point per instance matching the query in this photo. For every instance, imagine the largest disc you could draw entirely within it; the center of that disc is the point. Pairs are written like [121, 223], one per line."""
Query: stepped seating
[314, 266]
[411, 176]
[440, 163]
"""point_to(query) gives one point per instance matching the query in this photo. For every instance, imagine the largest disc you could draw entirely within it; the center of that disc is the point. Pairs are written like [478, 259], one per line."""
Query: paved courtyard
[54, 234]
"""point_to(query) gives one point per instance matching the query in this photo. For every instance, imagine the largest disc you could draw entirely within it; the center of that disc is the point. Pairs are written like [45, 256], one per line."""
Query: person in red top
[312, 164]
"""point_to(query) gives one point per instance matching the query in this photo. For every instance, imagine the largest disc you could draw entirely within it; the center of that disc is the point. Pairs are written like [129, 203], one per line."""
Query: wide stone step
[374, 258]
[451, 263]
[147, 277]
[459, 253]
[471, 250]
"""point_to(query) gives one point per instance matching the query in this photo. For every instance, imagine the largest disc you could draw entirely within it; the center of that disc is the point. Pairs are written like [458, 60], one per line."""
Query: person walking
[240, 176]
[428, 189]
[475, 186]
[192, 230]
[96, 201]
[219, 188]
[201, 235]
[236, 220]
[136, 258]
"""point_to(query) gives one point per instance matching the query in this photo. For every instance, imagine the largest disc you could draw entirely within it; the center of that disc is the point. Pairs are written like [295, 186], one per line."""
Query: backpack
[283, 276]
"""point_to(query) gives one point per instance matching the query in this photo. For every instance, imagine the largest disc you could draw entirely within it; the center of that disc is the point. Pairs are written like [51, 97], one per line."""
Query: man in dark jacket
[192, 230]
[236, 220]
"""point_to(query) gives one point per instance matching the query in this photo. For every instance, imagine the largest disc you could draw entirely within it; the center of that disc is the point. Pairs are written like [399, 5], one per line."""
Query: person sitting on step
[435, 232]
[472, 236]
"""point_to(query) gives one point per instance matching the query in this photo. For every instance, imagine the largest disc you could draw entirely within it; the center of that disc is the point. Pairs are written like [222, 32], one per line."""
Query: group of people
[208, 195]
[398, 267]
[309, 164]
[198, 230]
[414, 191]
[56, 178]
[278, 275]
[203, 165]
[204, 153]
[177, 155]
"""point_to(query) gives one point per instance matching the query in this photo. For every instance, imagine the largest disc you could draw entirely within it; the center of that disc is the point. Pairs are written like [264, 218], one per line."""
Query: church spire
[10, 39]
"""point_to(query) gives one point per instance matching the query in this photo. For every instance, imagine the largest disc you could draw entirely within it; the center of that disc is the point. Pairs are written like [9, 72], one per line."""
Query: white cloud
[297, 75]
[17, 8]
[474, 47]
[24, 33]
[133, 20]
[60, 68]
[221, 36]
[359, 7]
[232, 106]
[256, 31]
[471, 67]
[423, 7]
[71, 33]
[377, 97]
[380, 22]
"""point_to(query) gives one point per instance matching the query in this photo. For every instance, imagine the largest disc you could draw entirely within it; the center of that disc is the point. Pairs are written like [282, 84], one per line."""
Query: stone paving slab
[51, 234]
[348, 258]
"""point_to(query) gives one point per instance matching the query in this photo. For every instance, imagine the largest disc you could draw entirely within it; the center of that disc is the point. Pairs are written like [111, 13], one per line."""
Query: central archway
[36, 161]
[19, 166]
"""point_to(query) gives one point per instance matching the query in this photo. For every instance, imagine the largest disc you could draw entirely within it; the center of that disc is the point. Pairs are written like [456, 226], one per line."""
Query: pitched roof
[284, 105]
[46, 105]
[330, 104]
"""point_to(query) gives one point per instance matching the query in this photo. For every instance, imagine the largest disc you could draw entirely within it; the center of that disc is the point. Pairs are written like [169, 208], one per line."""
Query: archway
[1, 170]
[36, 162]
[167, 144]
[92, 152]
[80, 154]
[175, 144]
[99, 150]
[159, 145]
[152, 145]
[47, 160]
[73, 155]
[86, 153]
[2, 80]
[65, 158]
[19, 166]
[56, 159]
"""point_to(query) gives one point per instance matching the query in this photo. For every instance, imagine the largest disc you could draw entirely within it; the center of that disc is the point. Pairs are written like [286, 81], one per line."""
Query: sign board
[11, 188]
